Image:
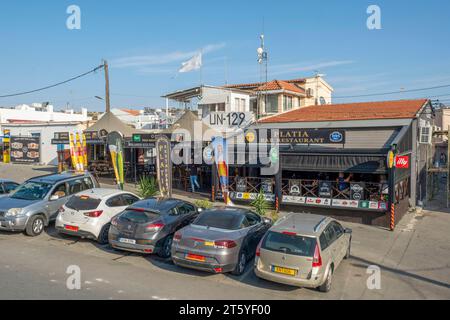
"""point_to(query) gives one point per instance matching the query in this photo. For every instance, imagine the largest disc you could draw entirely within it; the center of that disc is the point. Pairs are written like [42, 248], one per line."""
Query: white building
[209, 99]
[46, 132]
[41, 113]
[142, 119]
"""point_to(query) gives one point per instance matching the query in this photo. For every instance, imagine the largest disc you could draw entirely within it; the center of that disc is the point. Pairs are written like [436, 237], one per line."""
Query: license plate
[195, 257]
[129, 241]
[287, 271]
[71, 228]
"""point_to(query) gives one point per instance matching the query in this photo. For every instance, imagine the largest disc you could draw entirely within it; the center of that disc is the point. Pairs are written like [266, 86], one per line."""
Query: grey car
[35, 203]
[148, 226]
[7, 186]
[303, 250]
[220, 240]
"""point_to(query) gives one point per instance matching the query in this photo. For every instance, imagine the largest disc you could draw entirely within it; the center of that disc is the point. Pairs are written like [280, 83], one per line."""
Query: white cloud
[162, 59]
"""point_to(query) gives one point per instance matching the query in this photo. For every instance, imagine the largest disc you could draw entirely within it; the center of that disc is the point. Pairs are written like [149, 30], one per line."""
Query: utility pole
[108, 105]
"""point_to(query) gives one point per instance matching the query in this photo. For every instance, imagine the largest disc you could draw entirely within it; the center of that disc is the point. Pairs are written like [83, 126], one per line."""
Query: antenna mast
[262, 60]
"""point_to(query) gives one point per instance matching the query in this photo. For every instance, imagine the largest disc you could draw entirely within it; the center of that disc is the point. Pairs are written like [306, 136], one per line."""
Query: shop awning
[363, 163]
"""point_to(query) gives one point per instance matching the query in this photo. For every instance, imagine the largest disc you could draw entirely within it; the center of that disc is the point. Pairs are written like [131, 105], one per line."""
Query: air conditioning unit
[425, 135]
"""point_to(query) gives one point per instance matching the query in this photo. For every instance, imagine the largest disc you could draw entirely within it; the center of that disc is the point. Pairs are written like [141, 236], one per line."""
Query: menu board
[164, 166]
[25, 149]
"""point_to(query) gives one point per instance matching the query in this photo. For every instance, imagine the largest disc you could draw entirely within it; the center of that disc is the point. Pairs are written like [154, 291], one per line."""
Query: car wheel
[326, 286]
[166, 248]
[103, 236]
[240, 266]
[35, 226]
[347, 254]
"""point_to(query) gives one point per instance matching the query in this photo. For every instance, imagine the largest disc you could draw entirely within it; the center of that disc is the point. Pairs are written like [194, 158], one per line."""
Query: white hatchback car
[88, 214]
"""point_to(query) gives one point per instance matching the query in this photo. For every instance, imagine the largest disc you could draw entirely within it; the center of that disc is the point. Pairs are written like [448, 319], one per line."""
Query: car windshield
[220, 220]
[138, 216]
[31, 191]
[83, 203]
[290, 244]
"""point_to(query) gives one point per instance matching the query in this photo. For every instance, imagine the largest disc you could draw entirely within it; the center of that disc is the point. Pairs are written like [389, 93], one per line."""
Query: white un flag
[194, 63]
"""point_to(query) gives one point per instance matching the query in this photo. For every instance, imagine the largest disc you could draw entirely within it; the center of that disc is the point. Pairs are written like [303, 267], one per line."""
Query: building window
[243, 105]
[287, 103]
[237, 104]
[221, 107]
[271, 103]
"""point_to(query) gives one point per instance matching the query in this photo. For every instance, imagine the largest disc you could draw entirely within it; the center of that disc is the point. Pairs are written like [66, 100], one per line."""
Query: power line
[53, 85]
[393, 92]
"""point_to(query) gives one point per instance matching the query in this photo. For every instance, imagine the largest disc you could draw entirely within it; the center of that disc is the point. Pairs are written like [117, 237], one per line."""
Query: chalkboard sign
[357, 190]
[241, 184]
[325, 189]
[25, 149]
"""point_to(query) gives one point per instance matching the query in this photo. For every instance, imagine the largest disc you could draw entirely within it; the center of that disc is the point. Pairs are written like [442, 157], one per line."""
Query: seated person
[343, 183]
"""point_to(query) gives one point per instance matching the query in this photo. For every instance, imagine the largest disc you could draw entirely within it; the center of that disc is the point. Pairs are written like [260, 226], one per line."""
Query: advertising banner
[164, 166]
[115, 145]
[25, 149]
[219, 145]
[6, 146]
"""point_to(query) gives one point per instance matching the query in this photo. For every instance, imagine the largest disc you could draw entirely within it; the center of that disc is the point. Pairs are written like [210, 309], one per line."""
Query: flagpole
[201, 68]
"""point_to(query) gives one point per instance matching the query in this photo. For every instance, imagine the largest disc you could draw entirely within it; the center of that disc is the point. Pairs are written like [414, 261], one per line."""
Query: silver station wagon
[303, 250]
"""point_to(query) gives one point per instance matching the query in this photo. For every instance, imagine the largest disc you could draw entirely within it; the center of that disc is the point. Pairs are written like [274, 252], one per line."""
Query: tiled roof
[255, 85]
[399, 109]
[280, 85]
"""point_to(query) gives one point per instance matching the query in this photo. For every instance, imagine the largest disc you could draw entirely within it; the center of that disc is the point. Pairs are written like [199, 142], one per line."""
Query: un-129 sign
[228, 119]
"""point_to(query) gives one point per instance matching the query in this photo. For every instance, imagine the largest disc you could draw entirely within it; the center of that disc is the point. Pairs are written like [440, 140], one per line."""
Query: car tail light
[225, 244]
[93, 214]
[258, 248]
[154, 227]
[177, 237]
[61, 210]
[218, 270]
[289, 233]
[317, 259]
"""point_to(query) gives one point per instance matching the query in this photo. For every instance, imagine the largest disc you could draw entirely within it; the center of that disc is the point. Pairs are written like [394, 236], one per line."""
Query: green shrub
[204, 204]
[260, 204]
[147, 187]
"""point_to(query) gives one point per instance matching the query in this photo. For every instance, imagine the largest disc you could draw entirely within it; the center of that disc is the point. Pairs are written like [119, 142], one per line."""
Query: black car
[148, 226]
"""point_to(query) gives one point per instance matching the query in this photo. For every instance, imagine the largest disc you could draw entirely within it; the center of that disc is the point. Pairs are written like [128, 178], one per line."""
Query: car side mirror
[348, 230]
[54, 197]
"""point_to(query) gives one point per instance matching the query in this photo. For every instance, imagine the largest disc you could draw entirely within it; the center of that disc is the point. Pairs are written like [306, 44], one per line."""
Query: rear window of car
[82, 203]
[222, 220]
[290, 244]
[136, 216]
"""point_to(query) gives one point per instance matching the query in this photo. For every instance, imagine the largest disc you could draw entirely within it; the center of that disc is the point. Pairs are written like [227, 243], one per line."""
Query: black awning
[335, 163]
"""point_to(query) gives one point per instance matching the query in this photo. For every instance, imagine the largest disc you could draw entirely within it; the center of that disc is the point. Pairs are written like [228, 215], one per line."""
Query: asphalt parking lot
[414, 262]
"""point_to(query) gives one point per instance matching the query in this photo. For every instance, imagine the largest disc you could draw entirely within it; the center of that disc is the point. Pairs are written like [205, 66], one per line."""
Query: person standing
[194, 178]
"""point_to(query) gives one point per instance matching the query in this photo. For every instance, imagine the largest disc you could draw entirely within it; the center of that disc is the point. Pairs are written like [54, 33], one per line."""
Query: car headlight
[13, 212]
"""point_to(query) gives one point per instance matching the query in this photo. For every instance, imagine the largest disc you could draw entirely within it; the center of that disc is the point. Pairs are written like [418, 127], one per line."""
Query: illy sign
[402, 162]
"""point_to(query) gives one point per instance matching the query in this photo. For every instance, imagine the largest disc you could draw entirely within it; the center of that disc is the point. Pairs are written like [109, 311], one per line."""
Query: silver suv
[35, 203]
[303, 250]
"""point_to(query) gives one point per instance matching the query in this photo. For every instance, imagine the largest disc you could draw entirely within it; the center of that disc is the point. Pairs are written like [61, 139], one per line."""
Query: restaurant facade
[360, 162]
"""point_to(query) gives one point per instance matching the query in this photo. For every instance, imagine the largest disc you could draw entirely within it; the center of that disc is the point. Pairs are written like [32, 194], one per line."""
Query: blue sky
[146, 41]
